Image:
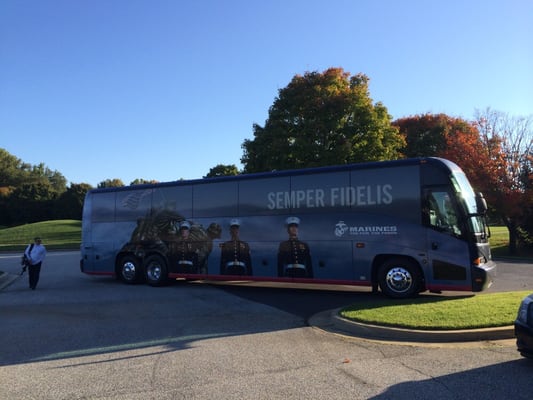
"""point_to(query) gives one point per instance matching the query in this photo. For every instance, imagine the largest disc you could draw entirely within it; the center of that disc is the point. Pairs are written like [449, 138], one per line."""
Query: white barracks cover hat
[293, 221]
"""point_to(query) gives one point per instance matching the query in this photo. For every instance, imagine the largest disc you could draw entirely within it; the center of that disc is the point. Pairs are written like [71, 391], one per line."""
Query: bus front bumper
[483, 276]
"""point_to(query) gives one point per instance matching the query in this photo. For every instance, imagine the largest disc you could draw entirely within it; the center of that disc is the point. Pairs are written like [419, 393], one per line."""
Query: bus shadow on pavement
[104, 317]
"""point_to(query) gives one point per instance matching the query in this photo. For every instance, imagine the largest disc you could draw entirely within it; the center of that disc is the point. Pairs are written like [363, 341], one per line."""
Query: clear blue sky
[162, 89]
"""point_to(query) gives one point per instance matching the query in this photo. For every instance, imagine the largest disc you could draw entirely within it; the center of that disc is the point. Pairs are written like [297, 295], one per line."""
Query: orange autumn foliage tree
[439, 135]
[482, 158]
[513, 155]
[483, 163]
[424, 134]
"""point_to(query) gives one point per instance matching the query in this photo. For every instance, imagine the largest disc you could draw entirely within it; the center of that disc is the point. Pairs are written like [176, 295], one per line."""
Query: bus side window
[439, 212]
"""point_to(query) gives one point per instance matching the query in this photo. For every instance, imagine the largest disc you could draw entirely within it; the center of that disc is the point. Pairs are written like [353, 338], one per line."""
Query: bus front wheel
[129, 269]
[399, 278]
[155, 270]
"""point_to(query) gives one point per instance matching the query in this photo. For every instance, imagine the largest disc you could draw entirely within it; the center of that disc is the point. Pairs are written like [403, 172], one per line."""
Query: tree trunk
[513, 236]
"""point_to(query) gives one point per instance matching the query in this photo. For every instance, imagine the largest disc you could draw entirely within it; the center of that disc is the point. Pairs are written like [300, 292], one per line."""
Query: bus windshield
[465, 193]
[464, 190]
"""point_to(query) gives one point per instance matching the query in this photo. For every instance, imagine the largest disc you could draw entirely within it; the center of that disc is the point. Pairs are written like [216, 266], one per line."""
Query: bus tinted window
[215, 199]
[264, 196]
[442, 214]
[133, 204]
[319, 192]
[390, 192]
[103, 207]
[177, 198]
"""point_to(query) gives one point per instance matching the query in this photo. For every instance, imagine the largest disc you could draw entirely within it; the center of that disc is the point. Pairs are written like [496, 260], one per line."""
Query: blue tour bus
[403, 227]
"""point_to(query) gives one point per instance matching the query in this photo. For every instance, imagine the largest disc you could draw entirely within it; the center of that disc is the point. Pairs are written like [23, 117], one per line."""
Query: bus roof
[441, 163]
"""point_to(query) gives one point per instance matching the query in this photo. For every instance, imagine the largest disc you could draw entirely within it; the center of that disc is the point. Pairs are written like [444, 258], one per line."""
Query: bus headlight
[480, 260]
[525, 311]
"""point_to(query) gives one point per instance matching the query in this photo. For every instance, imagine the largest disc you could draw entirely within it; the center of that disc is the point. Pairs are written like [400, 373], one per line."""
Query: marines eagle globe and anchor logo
[341, 228]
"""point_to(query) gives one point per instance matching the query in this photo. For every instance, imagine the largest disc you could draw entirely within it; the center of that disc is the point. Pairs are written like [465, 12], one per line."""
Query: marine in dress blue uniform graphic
[294, 256]
[186, 251]
[235, 258]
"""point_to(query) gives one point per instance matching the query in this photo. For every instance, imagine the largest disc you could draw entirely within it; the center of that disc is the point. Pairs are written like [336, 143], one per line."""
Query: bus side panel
[331, 257]
[342, 246]
[100, 253]
[387, 238]
[449, 268]
[332, 260]
[98, 258]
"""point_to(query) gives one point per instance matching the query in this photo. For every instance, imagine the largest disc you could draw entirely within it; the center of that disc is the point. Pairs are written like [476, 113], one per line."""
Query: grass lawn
[59, 234]
[499, 240]
[434, 312]
[499, 244]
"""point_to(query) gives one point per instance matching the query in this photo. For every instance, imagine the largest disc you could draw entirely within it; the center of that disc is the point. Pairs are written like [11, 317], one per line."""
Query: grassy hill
[58, 234]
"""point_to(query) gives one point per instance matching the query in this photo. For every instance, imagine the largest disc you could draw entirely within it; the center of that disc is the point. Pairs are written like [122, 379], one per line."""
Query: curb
[330, 320]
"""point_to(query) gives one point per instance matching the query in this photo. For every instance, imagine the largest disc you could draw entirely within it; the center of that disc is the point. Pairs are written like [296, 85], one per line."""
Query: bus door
[446, 241]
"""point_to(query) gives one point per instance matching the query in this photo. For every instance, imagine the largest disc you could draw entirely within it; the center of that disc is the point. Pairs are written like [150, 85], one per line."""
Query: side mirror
[481, 204]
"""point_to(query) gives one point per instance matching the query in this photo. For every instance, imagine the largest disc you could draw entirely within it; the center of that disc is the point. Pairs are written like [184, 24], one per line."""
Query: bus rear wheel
[399, 278]
[155, 270]
[129, 269]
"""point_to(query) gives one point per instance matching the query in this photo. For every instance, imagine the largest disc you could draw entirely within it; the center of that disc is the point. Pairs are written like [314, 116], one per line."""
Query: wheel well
[121, 255]
[381, 258]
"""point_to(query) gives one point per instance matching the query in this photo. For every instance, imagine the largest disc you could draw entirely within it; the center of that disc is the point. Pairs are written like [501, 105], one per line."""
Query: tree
[32, 202]
[322, 119]
[424, 134]
[70, 203]
[222, 170]
[512, 190]
[27, 192]
[12, 170]
[41, 172]
[496, 157]
[140, 181]
[111, 183]
[439, 135]
[479, 160]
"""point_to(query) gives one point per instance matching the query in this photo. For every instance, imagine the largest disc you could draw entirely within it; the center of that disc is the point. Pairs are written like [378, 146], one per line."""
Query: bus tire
[399, 278]
[155, 269]
[129, 269]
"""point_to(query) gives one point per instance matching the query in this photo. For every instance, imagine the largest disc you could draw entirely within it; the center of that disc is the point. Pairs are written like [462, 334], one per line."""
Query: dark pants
[33, 273]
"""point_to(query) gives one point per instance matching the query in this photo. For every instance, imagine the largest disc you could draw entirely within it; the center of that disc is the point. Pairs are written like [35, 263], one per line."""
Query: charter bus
[402, 227]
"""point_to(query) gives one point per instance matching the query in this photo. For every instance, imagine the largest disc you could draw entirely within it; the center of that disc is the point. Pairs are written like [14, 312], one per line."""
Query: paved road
[80, 337]
[512, 276]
